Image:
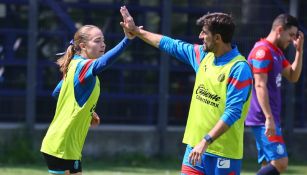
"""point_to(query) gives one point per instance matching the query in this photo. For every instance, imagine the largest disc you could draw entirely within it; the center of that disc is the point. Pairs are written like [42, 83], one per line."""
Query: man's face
[286, 37]
[208, 42]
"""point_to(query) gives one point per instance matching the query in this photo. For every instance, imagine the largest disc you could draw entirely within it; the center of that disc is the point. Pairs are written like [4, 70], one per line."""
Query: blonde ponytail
[64, 61]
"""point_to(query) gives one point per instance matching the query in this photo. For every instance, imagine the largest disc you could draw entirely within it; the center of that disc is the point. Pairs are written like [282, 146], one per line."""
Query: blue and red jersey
[268, 59]
[239, 80]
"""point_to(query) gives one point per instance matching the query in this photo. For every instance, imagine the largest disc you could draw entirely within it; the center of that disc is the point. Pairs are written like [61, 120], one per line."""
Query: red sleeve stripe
[84, 70]
[239, 84]
[196, 49]
[188, 170]
[285, 63]
[276, 138]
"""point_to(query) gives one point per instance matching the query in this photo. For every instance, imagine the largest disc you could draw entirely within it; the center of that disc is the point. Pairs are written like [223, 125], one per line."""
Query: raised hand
[128, 25]
[299, 41]
[132, 30]
[128, 34]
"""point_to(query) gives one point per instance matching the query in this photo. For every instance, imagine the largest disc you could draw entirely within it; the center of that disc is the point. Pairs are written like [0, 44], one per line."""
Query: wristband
[208, 138]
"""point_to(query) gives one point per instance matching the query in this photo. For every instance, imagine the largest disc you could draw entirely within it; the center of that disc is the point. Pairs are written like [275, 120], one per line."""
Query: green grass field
[152, 167]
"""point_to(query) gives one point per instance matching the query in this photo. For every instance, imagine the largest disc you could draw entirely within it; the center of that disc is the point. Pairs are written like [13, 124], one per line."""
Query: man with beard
[269, 65]
[221, 95]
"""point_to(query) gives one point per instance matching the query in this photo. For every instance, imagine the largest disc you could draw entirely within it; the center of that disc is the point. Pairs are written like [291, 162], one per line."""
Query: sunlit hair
[81, 36]
[284, 20]
[218, 23]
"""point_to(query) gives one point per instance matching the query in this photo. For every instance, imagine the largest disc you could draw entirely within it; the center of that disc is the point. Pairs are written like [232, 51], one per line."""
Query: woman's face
[95, 47]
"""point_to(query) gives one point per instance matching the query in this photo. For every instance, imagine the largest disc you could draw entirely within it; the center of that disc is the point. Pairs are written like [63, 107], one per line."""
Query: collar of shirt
[276, 49]
[78, 57]
[221, 60]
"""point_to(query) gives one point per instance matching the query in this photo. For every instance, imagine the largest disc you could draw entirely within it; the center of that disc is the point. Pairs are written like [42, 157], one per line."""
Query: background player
[269, 65]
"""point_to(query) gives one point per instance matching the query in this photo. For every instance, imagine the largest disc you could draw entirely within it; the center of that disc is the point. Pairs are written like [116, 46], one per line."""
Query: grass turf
[134, 167]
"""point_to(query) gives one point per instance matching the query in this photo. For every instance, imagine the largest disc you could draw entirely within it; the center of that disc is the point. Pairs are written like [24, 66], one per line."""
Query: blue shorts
[269, 148]
[210, 165]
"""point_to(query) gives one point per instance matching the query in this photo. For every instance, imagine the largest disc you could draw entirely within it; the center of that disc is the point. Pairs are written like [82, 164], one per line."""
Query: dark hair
[285, 20]
[218, 23]
[81, 36]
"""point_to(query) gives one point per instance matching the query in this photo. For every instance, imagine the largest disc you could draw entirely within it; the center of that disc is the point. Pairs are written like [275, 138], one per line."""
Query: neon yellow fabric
[67, 132]
[208, 105]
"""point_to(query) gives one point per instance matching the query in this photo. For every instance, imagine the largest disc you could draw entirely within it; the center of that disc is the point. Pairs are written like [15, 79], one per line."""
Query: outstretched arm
[186, 52]
[108, 58]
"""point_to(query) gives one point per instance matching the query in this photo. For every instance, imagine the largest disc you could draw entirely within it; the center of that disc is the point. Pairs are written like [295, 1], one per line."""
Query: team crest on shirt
[221, 78]
[280, 149]
[260, 53]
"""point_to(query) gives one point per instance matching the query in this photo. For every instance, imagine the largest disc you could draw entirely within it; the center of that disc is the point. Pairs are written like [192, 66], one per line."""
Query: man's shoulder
[260, 52]
[241, 65]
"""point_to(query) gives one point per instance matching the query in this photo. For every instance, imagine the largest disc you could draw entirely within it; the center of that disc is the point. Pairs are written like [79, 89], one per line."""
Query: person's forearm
[296, 66]
[149, 37]
[220, 128]
[263, 99]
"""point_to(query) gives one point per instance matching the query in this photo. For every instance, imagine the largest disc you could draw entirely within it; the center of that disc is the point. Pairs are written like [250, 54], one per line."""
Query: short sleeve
[261, 60]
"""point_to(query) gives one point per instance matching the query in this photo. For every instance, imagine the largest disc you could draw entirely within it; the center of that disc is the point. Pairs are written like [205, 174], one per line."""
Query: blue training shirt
[87, 69]
[239, 87]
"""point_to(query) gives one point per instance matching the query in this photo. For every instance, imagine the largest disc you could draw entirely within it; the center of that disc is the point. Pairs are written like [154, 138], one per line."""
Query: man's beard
[209, 49]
